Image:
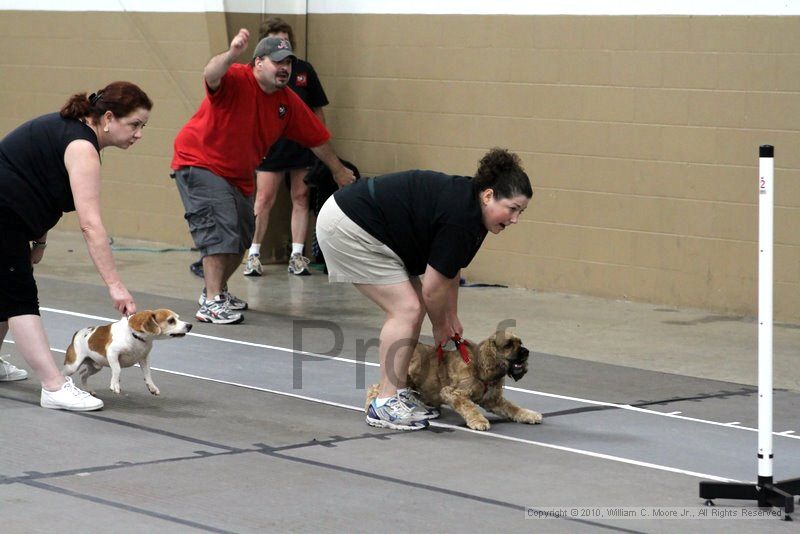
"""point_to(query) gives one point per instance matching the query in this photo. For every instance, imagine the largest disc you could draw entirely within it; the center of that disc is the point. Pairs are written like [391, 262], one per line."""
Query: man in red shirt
[246, 109]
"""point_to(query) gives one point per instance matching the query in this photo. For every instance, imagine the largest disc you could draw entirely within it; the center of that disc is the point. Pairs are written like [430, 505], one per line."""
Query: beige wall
[640, 133]
[49, 56]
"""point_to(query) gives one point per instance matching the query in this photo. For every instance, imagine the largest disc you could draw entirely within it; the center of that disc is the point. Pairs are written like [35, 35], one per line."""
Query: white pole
[766, 167]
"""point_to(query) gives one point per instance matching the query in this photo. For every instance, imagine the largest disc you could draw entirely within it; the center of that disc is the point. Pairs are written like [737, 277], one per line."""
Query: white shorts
[352, 254]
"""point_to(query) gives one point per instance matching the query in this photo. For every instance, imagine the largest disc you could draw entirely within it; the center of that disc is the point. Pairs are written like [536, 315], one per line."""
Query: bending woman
[48, 166]
[381, 234]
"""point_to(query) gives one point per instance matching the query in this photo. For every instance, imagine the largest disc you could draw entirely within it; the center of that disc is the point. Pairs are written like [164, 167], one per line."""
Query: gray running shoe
[253, 265]
[234, 302]
[395, 415]
[412, 399]
[298, 265]
[218, 312]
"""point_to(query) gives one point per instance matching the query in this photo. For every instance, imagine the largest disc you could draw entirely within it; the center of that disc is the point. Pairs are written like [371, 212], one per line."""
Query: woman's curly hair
[501, 171]
[120, 98]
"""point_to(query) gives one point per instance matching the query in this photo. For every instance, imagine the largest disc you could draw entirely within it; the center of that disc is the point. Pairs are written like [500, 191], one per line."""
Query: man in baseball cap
[246, 109]
[275, 48]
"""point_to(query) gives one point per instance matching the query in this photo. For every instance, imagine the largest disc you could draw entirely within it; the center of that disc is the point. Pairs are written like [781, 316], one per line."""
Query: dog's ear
[152, 325]
[144, 321]
[487, 357]
[501, 337]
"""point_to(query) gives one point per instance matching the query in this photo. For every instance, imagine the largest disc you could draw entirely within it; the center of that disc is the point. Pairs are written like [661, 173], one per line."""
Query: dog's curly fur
[462, 385]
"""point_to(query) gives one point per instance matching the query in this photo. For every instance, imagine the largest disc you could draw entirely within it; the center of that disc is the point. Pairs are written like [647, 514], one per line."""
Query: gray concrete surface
[640, 404]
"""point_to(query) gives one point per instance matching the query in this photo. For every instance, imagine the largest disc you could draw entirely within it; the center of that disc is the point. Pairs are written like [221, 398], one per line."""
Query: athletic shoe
[412, 399]
[71, 398]
[395, 415]
[197, 268]
[234, 302]
[10, 373]
[253, 265]
[298, 265]
[218, 312]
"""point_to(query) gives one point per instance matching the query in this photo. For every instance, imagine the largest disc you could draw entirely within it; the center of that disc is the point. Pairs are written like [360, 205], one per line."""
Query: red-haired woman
[48, 166]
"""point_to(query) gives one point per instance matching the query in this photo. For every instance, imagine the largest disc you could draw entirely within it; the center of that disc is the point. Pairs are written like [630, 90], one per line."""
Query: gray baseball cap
[275, 48]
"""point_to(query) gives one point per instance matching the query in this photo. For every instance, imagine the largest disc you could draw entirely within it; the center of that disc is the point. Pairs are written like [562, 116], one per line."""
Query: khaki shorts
[352, 254]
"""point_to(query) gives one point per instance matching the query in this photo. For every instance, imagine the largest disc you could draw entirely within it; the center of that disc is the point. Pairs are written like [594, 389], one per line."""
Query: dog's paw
[114, 388]
[478, 423]
[153, 389]
[528, 416]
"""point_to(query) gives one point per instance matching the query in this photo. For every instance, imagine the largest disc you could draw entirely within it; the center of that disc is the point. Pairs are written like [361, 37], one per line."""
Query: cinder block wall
[50, 55]
[640, 132]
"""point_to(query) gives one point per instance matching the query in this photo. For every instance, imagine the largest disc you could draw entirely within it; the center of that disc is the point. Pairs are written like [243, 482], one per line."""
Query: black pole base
[765, 492]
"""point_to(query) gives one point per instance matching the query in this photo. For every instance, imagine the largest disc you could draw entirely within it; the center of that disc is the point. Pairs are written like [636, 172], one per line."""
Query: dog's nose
[523, 353]
[188, 327]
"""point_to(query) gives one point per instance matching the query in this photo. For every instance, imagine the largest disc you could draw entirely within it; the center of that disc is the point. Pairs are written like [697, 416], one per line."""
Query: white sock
[297, 248]
[401, 390]
[255, 248]
[380, 401]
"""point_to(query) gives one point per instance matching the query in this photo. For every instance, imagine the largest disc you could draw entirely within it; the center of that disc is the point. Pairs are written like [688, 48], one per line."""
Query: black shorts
[18, 293]
[285, 155]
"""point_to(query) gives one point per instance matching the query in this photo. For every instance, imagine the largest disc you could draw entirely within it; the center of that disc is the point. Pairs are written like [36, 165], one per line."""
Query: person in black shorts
[48, 166]
[287, 159]
[381, 234]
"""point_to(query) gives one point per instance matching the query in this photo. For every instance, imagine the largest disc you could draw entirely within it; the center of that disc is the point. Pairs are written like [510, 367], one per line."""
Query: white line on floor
[434, 423]
[476, 432]
[642, 410]
[510, 388]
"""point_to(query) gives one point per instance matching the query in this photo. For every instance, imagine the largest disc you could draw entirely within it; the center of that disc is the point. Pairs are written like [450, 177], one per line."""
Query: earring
[105, 129]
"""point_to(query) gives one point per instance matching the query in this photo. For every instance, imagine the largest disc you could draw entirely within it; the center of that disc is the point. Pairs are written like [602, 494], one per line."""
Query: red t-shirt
[236, 125]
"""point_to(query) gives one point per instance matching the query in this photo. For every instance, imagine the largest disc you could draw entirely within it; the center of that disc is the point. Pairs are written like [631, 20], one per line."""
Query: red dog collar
[461, 345]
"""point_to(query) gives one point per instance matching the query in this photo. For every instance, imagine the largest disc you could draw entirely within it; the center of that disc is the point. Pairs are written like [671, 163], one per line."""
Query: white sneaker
[70, 397]
[10, 373]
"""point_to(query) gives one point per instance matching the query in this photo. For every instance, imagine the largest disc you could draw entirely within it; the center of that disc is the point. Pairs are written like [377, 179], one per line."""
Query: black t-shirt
[426, 217]
[34, 182]
[286, 154]
[305, 82]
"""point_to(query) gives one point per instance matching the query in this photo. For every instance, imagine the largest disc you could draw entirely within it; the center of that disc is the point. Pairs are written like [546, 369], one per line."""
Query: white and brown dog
[122, 344]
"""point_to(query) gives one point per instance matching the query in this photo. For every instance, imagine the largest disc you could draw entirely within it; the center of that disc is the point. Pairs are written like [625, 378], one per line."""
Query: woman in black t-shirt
[381, 234]
[48, 166]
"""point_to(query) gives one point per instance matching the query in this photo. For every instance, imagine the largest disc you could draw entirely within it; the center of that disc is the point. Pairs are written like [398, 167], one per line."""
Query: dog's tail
[71, 356]
[372, 393]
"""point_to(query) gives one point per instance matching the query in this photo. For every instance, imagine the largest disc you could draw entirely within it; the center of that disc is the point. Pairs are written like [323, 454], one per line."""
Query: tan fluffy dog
[461, 385]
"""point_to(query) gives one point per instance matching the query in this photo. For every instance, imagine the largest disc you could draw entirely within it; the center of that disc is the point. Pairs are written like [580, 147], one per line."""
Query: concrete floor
[641, 402]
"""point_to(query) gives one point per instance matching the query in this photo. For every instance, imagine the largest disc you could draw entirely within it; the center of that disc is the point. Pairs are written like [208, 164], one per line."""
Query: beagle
[122, 344]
